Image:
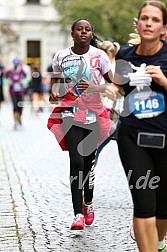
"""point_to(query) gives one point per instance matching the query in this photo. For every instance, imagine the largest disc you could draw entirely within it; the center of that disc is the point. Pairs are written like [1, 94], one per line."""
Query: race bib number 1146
[146, 104]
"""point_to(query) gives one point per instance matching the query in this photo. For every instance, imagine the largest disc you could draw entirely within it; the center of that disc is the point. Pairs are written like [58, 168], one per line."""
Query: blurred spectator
[27, 70]
[50, 73]
[36, 88]
[15, 77]
[46, 80]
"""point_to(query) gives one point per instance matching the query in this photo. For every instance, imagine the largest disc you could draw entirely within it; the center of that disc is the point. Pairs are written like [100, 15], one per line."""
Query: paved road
[35, 202]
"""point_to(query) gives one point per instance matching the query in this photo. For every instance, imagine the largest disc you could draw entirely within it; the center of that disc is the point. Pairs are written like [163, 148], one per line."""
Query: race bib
[146, 104]
[17, 87]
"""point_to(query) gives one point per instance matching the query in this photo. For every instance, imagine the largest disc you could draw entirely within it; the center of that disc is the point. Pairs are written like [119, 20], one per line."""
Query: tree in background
[112, 20]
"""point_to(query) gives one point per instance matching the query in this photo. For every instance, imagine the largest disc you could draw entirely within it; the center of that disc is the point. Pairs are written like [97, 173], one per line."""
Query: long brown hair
[158, 4]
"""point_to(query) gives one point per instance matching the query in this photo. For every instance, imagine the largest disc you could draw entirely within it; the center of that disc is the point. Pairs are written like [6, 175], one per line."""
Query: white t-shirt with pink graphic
[90, 66]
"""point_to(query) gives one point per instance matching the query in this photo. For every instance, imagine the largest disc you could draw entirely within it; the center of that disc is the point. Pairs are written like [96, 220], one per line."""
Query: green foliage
[112, 20]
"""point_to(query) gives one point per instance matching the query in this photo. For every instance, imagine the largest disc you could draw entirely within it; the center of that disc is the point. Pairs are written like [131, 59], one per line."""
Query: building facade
[29, 29]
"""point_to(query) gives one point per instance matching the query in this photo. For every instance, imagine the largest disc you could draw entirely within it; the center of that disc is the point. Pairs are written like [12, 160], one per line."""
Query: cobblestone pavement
[35, 202]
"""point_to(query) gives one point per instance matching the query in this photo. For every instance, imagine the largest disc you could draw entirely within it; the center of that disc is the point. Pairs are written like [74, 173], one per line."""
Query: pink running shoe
[78, 222]
[88, 211]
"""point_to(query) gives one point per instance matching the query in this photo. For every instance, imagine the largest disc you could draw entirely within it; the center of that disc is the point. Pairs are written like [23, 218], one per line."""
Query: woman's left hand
[157, 74]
